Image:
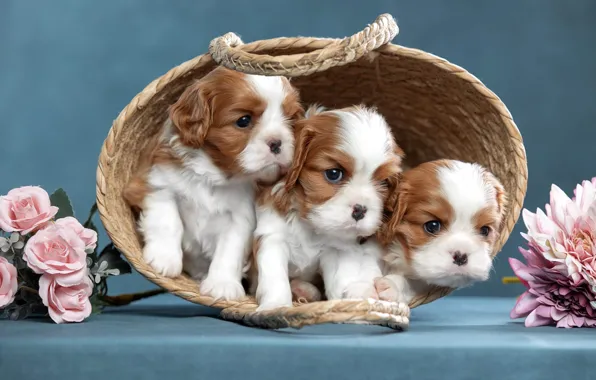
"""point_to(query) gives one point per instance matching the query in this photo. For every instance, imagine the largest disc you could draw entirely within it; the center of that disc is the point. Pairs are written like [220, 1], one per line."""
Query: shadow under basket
[436, 110]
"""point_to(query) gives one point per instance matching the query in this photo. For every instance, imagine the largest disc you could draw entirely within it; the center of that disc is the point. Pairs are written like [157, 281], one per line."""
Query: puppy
[442, 229]
[195, 188]
[317, 218]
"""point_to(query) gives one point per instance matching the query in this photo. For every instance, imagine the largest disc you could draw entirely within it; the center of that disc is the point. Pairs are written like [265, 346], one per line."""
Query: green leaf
[112, 257]
[60, 200]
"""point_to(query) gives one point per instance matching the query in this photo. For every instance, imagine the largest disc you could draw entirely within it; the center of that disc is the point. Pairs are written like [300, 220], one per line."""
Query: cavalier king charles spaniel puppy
[442, 229]
[195, 189]
[317, 219]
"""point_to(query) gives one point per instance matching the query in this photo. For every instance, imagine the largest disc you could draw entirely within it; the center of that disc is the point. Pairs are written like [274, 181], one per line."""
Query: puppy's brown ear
[304, 137]
[291, 105]
[500, 194]
[394, 213]
[191, 115]
[399, 152]
[394, 179]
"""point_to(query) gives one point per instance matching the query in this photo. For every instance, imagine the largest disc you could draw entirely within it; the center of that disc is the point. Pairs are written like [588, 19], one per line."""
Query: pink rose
[88, 236]
[66, 303]
[8, 282]
[25, 209]
[59, 251]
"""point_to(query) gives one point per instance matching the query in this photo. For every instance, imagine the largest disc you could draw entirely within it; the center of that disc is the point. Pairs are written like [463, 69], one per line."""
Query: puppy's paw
[272, 303]
[222, 288]
[387, 289]
[390, 290]
[274, 296]
[360, 290]
[304, 291]
[164, 257]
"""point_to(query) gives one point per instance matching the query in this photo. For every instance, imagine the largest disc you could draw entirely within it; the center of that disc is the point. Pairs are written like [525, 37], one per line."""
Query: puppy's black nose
[459, 258]
[275, 146]
[358, 212]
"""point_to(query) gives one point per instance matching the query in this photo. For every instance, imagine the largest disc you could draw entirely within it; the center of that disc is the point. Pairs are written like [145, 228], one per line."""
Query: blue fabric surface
[453, 338]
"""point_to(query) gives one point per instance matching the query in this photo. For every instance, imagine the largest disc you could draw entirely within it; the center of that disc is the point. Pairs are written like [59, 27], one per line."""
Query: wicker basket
[436, 110]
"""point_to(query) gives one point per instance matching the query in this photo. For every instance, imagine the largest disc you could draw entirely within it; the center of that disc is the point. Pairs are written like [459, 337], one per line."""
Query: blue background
[67, 68]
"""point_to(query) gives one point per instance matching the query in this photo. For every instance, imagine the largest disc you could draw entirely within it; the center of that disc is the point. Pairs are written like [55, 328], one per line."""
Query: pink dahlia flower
[551, 299]
[560, 273]
[566, 234]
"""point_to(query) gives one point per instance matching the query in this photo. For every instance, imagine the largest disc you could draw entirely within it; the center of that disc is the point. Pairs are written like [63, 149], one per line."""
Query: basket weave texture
[436, 110]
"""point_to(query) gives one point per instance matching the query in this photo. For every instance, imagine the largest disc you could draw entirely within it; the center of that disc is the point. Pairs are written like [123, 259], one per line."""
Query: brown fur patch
[154, 153]
[291, 105]
[388, 175]
[265, 197]
[316, 151]
[500, 194]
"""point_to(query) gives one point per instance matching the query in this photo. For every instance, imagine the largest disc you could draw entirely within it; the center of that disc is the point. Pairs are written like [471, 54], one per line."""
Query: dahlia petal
[520, 270]
[545, 224]
[529, 220]
[525, 304]
[591, 212]
[578, 192]
[534, 320]
[558, 203]
[588, 194]
[549, 211]
[557, 315]
[544, 311]
[571, 215]
[545, 301]
[566, 322]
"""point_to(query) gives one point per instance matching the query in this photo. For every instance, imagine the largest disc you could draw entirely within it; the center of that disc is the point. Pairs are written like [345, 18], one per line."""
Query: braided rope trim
[228, 51]
[392, 315]
[138, 102]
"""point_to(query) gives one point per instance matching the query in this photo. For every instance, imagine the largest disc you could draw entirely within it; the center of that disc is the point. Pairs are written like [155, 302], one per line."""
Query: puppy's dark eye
[484, 230]
[433, 227]
[334, 175]
[244, 121]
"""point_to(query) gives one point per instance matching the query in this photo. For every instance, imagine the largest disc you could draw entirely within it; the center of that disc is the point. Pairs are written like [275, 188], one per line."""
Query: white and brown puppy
[195, 187]
[442, 230]
[346, 162]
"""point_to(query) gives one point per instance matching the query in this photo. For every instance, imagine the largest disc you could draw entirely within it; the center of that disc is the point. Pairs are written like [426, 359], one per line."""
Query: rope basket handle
[227, 51]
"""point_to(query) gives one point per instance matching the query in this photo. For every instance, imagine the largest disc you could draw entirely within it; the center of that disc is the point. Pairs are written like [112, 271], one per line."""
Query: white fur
[350, 273]
[209, 218]
[464, 186]
[257, 157]
[197, 218]
[327, 240]
[291, 249]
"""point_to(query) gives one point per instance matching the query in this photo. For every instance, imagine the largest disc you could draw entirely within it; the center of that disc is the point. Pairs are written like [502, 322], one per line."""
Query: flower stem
[91, 214]
[29, 289]
[126, 299]
[510, 280]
